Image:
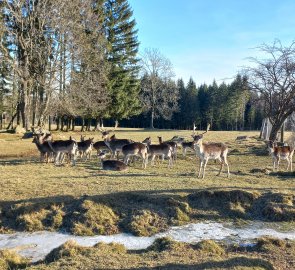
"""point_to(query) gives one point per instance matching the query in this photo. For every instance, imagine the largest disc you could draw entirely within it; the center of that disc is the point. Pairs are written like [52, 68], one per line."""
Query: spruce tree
[122, 52]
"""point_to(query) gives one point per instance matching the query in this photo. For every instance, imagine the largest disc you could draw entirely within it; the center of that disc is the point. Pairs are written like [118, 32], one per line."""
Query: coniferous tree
[122, 55]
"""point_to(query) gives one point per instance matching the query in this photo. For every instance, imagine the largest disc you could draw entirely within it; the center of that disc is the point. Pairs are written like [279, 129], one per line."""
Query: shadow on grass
[233, 263]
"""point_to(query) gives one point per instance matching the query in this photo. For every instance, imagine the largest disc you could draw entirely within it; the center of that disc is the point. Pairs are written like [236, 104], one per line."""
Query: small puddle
[38, 244]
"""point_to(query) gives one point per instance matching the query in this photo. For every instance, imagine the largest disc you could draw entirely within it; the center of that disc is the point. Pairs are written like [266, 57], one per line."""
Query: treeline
[76, 63]
[65, 60]
[225, 107]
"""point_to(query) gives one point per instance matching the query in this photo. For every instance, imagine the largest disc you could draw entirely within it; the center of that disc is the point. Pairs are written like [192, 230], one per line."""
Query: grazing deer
[61, 147]
[43, 147]
[173, 146]
[111, 165]
[280, 152]
[136, 149]
[208, 151]
[164, 150]
[85, 147]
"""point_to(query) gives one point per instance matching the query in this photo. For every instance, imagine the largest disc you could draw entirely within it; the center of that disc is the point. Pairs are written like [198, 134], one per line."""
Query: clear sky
[211, 39]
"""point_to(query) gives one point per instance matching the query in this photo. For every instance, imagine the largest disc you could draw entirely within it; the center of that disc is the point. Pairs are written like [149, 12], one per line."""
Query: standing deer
[43, 146]
[136, 149]
[112, 165]
[164, 150]
[173, 146]
[207, 151]
[85, 147]
[280, 152]
[60, 148]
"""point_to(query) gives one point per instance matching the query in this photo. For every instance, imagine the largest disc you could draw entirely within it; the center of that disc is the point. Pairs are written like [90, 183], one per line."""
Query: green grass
[86, 200]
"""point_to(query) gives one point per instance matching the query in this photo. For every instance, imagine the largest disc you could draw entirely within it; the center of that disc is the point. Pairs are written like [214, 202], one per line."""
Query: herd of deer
[57, 150]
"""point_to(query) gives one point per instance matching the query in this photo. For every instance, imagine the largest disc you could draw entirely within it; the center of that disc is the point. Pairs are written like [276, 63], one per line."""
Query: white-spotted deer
[207, 151]
[279, 153]
[111, 165]
[136, 149]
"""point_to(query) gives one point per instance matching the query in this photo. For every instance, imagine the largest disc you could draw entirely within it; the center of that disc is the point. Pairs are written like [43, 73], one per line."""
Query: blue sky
[211, 39]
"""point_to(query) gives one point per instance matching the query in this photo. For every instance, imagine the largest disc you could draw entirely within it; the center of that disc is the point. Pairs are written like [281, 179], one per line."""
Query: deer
[172, 144]
[207, 151]
[164, 150]
[136, 149]
[43, 146]
[61, 147]
[111, 165]
[188, 146]
[280, 152]
[85, 147]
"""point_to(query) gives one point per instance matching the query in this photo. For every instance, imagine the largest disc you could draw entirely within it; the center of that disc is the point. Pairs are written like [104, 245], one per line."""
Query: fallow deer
[207, 151]
[188, 146]
[85, 147]
[164, 150]
[112, 165]
[136, 149]
[172, 144]
[115, 145]
[61, 147]
[43, 147]
[280, 152]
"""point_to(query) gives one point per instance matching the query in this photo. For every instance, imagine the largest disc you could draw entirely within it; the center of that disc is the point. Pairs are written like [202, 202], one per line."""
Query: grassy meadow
[86, 200]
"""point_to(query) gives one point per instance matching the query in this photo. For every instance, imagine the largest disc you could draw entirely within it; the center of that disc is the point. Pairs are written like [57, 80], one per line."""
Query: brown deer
[62, 147]
[173, 146]
[136, 149]
[111, 165]
[207, 151]
[85, 147]
[43, 146]
[280, 152]
[164, 150]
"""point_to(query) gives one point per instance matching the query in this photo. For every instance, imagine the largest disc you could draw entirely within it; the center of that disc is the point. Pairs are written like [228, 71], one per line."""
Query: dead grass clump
[279, 212]
[266, 244]
[68, 249]
[234, 203]
[258, 170]
[50, 218]
[210, 247]
[111, 248]
[146, 223]
[95, 218]
[178, 211]
[167, 244]
[10, 260]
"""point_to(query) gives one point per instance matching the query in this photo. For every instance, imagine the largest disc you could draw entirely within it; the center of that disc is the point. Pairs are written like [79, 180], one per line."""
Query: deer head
[105, 133]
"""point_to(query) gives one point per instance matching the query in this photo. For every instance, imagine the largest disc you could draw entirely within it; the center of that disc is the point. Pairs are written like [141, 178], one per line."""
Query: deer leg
[204, 167]
[152, 160]
[278, 163]
[184, 151]
[221, 166]
[201, 166]
[225, 161]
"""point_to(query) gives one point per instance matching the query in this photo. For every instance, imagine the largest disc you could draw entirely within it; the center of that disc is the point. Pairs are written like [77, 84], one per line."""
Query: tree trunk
[49, 122]
[282, 132]
[274, 131]
[83, 124]
[152, 119]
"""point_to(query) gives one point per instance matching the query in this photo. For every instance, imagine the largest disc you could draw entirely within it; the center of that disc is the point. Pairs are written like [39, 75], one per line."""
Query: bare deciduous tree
[159, 94]
[274, 80]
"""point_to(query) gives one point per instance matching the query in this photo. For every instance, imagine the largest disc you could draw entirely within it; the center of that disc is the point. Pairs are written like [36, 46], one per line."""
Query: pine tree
[122, 55]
